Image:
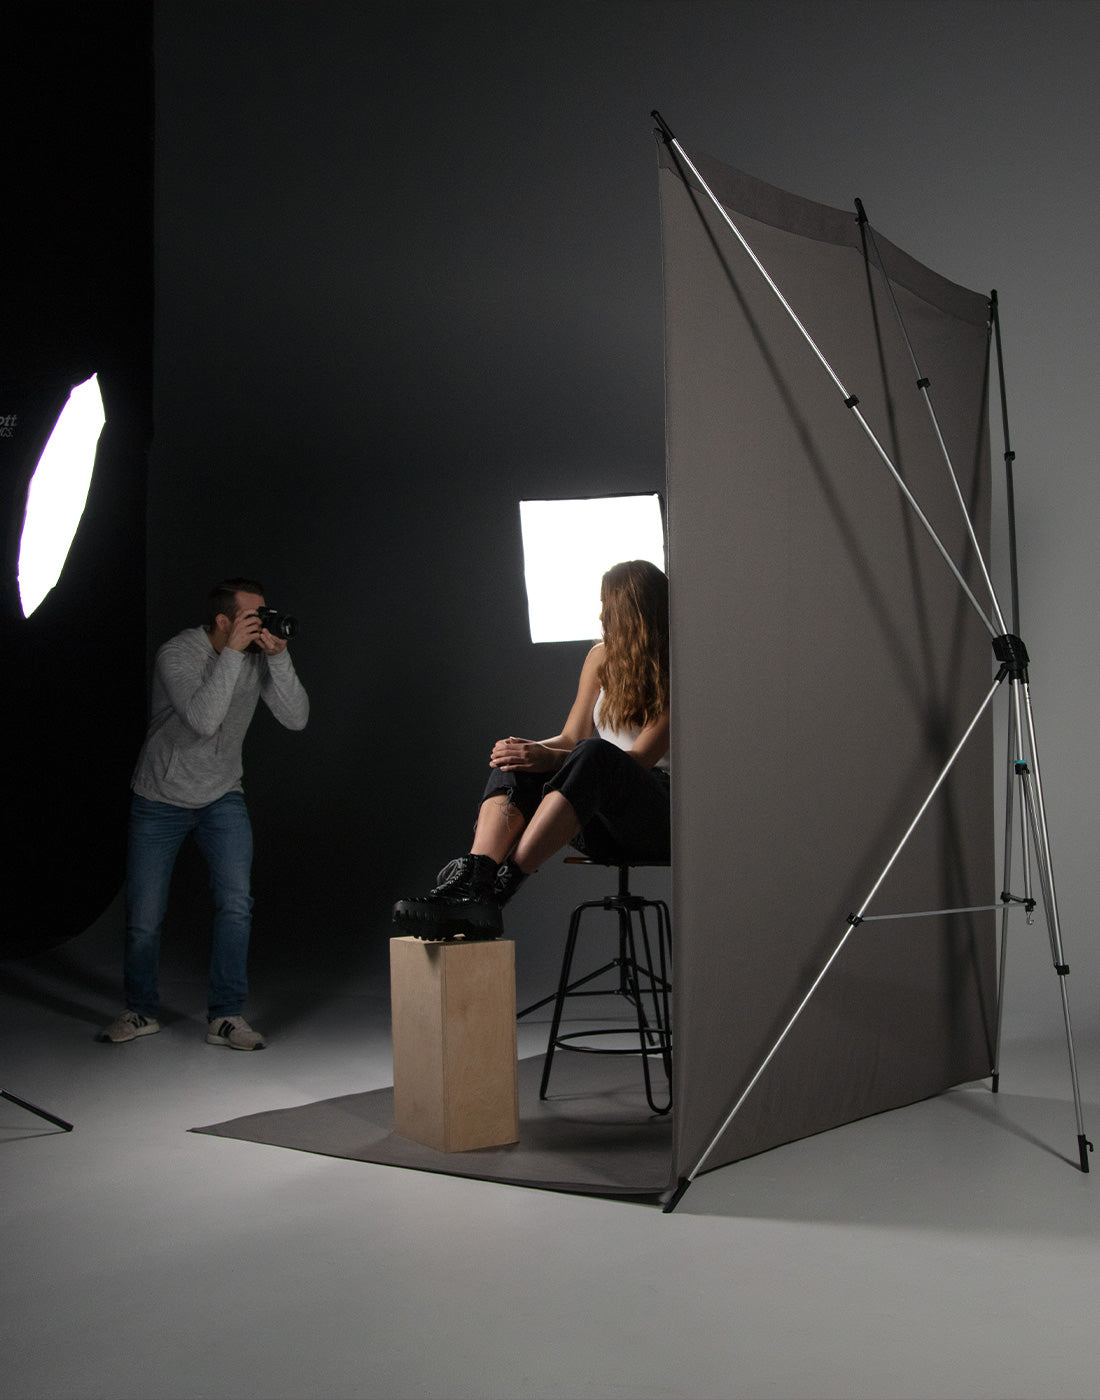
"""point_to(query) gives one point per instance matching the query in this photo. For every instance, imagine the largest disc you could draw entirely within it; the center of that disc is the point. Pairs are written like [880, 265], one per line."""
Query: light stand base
[41, 1112]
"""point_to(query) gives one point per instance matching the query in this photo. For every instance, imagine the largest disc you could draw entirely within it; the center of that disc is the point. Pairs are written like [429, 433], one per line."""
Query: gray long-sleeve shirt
[203, 702]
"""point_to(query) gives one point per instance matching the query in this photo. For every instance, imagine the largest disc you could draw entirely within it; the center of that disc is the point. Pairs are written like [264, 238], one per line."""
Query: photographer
[206, 683]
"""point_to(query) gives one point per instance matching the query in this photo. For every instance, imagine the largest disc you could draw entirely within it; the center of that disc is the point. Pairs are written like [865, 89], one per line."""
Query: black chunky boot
[462, 905]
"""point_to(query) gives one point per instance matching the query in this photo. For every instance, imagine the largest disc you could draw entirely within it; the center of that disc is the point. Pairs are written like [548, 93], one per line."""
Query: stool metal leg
[640, 982]
[564, 989]
[660, 985]
[656, 1036]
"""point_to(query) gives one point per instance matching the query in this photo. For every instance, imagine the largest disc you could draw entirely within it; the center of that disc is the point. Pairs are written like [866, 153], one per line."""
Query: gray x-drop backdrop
[826, 663]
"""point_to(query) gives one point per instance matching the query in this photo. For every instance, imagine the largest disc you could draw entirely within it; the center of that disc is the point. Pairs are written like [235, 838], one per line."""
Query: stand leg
[41, 1112]
[1006, 896]
[1031, 781]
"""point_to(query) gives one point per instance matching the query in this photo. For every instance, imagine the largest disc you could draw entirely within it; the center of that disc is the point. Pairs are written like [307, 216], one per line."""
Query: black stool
[643, 973]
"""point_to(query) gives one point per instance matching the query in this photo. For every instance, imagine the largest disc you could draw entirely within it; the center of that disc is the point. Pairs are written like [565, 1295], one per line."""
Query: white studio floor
[951, 1249]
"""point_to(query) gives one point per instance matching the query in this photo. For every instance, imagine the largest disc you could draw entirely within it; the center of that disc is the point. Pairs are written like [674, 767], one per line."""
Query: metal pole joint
[1012, 654]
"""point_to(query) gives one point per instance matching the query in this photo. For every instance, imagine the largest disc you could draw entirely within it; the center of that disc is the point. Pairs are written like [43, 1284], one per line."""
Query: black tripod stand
[41, 1112]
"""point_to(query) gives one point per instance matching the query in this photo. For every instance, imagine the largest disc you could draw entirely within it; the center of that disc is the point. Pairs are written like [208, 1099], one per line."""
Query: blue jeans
[223, 833]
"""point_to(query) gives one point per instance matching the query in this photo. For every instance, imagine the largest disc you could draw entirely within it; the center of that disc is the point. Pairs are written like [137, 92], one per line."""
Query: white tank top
[624, 738]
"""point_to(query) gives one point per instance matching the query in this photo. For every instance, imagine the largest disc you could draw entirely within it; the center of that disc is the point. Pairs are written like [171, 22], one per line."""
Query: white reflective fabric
[58, 493]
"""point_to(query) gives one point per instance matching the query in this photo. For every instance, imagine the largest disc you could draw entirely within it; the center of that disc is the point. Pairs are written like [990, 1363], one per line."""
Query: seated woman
[601, 785]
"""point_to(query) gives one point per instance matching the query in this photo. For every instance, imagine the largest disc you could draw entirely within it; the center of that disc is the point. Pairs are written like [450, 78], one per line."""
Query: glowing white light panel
[568, 546]
[58, 493]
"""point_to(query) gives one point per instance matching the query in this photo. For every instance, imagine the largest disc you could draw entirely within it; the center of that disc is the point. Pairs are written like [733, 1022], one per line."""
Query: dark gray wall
[408, 272]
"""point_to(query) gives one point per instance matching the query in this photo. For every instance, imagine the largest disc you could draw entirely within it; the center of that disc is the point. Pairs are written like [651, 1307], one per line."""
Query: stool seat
[642, 976]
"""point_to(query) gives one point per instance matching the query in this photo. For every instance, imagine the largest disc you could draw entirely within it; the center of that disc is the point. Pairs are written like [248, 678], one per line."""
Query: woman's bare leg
[553, 826]
[500, 824]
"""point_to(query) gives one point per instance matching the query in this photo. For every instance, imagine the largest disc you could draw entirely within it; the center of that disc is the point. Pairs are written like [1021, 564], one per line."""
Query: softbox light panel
[825, 663]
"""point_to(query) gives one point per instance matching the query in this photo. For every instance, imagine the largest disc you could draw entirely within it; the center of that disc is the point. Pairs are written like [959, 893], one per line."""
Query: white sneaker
[235, 1032]
[129, 1026]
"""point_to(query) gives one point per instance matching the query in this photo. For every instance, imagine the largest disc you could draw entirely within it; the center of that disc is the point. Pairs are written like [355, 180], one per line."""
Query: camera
[277, 623]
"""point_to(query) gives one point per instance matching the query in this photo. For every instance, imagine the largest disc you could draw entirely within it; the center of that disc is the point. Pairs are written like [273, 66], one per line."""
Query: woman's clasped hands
[526, 755]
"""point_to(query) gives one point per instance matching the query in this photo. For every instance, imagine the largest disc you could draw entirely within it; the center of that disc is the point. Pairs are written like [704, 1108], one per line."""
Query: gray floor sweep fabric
[594, 1134]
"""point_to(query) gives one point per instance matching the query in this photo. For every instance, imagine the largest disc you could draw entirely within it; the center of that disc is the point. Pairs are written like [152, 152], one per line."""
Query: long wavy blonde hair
[634, 669]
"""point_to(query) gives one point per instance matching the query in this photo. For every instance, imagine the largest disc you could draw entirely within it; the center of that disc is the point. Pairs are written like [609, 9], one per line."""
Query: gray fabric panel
[824, 665]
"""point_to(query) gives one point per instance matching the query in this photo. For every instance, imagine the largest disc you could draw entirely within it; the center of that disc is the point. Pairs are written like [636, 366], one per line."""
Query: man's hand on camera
[243, 631]
[270, 644]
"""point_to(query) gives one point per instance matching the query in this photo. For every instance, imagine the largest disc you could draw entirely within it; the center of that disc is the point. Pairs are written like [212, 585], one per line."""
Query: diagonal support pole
[854, 920]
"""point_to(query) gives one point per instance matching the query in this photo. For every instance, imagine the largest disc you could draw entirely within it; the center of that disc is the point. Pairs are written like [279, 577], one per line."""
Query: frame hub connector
[1012, 654]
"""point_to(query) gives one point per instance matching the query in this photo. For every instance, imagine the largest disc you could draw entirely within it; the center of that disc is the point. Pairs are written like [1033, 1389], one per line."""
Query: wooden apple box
[455, 1076]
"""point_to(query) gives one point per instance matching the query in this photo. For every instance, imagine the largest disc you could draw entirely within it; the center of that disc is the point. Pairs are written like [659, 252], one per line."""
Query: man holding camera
[206, 684]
